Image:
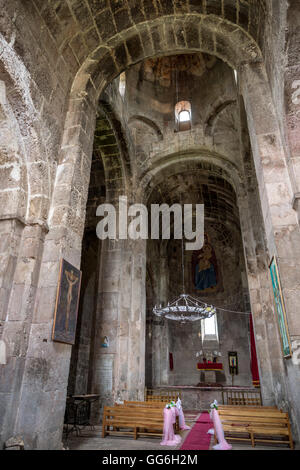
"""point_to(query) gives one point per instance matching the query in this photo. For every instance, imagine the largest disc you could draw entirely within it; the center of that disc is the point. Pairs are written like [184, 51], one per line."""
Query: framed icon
[67, 301]
[233, 362]
[280, 310]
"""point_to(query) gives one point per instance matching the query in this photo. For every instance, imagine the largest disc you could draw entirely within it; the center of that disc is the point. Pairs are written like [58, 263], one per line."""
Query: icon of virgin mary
[205, 271]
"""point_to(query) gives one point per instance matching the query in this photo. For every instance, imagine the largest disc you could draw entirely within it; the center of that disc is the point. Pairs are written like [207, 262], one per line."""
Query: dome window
[183, 115]
[122, 84]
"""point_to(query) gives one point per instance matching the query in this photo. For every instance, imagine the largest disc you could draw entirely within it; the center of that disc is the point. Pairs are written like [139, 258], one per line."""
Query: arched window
[235, 76]
[122, 84]
[183, 115]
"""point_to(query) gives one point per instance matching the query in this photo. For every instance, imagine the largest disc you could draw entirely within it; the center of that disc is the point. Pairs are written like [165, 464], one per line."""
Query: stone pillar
[160, 352]
[10, 237]
[291, 108]
[276, 195]
[160, 335]
[281, 228]
[39, 405]
[22, 272]
[119, 369]
[256, 265]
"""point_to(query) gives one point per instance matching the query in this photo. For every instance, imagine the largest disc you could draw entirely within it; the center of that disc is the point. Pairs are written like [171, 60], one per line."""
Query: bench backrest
[145, 404]
[245, 407]
[255, 419]
[242, 397]
[121, 410]
[249, 412]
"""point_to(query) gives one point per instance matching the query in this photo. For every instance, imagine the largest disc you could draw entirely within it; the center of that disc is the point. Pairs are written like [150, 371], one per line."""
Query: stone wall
[55, 60]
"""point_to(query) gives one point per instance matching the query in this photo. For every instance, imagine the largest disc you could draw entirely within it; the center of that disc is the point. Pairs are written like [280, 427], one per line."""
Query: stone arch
[111, 143]
[158, 36]
[217, 109]
[223, 181]
[17, 88]
[201, 160]
[148, 122]
[199, 32]
[164, 36]
[13, 162]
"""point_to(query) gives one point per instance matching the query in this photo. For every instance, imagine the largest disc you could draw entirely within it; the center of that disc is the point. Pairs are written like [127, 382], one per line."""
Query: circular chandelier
[185, 308]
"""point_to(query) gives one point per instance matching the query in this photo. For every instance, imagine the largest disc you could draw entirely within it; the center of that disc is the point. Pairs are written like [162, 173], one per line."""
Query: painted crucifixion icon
[72, 280]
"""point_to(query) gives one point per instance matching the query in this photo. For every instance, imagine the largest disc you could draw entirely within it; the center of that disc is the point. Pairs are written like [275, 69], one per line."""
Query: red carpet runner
[198, 439]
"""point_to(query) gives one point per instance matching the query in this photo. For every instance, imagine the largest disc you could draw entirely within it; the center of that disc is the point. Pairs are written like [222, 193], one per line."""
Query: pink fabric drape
[222, 444]
[169, 438]
[182, 424]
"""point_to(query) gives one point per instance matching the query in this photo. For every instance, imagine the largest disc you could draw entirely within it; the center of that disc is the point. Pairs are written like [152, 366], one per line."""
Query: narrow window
[183, 116]
[235, 76]
[209, 327]
[122, 84]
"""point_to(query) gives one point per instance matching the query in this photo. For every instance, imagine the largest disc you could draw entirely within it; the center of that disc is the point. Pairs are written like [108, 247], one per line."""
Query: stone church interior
[190, 102]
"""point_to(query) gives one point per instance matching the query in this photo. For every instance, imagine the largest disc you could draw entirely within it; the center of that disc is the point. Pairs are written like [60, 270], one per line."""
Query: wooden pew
[242, 397]
[242, 407]
[132, 421]
[135, 421]
[162, 395]
[151, 405]
[261, 424]
[146, 404]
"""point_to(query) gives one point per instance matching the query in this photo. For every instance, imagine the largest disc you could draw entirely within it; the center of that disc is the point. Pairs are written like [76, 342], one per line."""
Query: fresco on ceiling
[162, 69]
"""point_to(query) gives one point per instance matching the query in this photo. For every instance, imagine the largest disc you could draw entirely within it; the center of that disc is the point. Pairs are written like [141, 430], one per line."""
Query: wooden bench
[261, 424]
[244, 397]
[240, 407]
[162, 395]
[146, 404]
[151, 405]
[132, 421]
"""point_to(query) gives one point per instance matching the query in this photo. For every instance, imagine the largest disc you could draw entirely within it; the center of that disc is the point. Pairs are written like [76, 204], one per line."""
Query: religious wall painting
[67, 301]
[233, 362]
[105, 342]
[162, 70]
[280, 310]
[205, 272]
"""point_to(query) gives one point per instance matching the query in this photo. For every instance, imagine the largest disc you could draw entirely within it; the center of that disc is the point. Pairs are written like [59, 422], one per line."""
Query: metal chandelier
[185, 308]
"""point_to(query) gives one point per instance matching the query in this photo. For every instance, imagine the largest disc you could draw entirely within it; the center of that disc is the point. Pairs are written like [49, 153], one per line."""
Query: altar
[209, 370]
[210, 366]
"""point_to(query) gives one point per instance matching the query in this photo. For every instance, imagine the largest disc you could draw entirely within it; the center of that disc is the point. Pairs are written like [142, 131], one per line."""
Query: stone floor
[92, 440]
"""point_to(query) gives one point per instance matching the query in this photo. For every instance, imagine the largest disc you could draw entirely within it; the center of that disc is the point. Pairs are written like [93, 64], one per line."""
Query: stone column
[290, 109]
[276, 195]
[160, 335]
[41, 402]
[22, 273]
[261, 305]
[10, 238]
[119, 369]
[280, 224]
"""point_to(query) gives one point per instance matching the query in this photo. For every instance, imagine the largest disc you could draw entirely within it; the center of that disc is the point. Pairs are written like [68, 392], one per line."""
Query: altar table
[210, 366]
